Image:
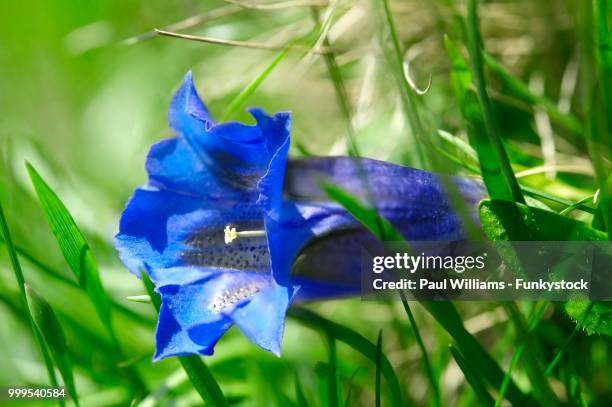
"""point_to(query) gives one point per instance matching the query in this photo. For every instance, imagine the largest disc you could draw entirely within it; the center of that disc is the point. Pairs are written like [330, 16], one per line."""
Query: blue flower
[225, 218]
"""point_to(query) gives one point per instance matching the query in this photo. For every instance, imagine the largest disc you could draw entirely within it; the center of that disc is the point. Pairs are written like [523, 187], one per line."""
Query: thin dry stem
[244, 44]
[280, 5]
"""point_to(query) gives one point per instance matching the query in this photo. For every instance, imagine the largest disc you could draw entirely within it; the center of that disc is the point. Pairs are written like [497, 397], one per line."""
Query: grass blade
[446, 315]
[10, 247]
[378, 368]
[80, 259]
[333, 390]
[599, 99]
[53, 335]
[433, 381]
[524, 93]
[490, 167]
[73, 246]
[60, 277]
[483, 154]
[473, 377]
[504, 387]
[508, 221]
[492, 127]
[200, 376]
[339, 88]
[537, 313]
[577, 329]
[203, 381]
[542, 389]
[349, 390]
[239, 100]
[603, 42]
[299, 393]
[355, 341]
[542, 194]
[379, 226]
[407, 94]
[154, 297]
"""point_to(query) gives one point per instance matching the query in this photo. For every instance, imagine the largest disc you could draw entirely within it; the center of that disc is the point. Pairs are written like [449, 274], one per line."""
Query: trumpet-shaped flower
[231, 231]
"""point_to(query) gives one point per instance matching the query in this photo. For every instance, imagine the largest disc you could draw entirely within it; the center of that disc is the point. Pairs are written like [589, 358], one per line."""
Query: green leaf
[80, 259]
[597, 321]
[200, 376]
[503, 220]
[154, 296]
[333, 390]
[355, 341]
[577, 329]
[446, 315]
[433, 381]
[603, 42]
[459, 144]
[542, 194]
[543, 392]
[461, 78]
[534, 319]
[600, 109]
[524, 93]
[60, 277]
[473, 377]
[380, 227]
[73, 246]
[491, 168]
[490, 142]
[335, 74]
[396, 59]
[6, 235]
[53, 335]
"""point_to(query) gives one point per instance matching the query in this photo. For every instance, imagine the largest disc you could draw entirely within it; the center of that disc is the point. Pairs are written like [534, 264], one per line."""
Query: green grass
[83, 107]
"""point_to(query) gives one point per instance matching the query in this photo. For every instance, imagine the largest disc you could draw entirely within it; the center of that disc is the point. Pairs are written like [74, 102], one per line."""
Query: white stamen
[232, 234]
[230, 297]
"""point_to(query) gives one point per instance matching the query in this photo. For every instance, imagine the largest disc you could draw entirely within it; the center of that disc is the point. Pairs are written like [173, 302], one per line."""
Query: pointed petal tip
[186, 104]
[276, 351]
[160, 355]
[259, 112]
[157, 357]
[187, 88]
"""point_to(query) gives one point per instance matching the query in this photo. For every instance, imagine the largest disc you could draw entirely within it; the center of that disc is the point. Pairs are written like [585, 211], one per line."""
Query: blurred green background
[84, 91]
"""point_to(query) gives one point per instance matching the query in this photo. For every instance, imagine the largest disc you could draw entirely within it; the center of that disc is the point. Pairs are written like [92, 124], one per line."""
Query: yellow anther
[232, 234]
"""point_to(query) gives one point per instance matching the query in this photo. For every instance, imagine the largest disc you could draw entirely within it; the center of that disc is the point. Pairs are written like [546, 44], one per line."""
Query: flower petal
[200, 182]
[329, 240]
[161, 229]
[145, 227]
[233, 156]
[262, 319]
[387, 183]
[174, 340]
[194, 314]
[186, 107]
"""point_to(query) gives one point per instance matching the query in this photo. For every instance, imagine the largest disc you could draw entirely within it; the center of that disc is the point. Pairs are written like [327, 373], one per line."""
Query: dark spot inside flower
[206, 247]
[235, 172]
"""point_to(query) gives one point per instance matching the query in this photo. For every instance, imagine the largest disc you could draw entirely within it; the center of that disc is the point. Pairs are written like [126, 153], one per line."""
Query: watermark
[480, 270]
[24, 392]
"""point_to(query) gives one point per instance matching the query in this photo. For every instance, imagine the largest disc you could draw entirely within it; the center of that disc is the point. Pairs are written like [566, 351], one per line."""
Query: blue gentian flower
[225, 217]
